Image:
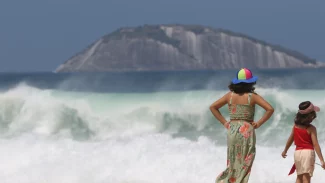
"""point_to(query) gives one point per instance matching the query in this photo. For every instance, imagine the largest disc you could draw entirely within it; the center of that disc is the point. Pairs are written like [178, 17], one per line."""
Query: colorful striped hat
[244, 75]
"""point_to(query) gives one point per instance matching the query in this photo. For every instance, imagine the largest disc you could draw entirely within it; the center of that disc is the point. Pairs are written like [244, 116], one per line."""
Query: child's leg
[306, 178]
[299, 179]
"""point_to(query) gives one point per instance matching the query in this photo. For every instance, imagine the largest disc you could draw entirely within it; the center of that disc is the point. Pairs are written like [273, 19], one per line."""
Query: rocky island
[182, 47]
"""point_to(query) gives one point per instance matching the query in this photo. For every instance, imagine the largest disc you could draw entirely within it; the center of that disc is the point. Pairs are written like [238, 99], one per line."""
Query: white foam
[143, 159]
[131, 144]
[49, 112]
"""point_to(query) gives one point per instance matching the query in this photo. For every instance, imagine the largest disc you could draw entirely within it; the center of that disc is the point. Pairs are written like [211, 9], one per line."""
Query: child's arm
[289, 143]
[313, 133]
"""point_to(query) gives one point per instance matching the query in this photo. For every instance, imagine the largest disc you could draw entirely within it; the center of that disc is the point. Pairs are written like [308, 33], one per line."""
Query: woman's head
[242, 87]
[306, 113]
[244, 82]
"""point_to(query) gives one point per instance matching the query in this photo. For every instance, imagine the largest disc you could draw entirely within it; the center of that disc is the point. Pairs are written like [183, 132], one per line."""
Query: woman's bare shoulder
[228, 95]
[256, 94]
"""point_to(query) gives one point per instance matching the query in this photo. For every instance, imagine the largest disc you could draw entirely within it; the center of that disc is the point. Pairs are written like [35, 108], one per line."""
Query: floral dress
[241, 143]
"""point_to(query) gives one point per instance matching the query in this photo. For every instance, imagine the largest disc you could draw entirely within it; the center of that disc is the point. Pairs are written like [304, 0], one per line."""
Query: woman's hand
[256, 125]
[226, 125]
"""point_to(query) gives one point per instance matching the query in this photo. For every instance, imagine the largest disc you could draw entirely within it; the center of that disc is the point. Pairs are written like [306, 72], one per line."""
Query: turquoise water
[81, 134]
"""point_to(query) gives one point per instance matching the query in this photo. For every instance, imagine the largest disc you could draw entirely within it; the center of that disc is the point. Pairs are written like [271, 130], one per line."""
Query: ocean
[142, 127]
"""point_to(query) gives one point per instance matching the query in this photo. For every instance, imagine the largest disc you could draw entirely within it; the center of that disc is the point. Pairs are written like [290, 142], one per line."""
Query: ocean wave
[93, 116]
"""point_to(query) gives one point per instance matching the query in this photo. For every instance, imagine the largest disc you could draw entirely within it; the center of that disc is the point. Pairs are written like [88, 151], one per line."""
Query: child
[304, 135]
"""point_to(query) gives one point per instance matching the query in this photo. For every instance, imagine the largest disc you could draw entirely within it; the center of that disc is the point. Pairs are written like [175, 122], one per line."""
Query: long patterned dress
[241, 143]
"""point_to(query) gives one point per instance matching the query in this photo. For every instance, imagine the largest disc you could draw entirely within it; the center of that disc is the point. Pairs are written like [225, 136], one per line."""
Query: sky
[39, 35]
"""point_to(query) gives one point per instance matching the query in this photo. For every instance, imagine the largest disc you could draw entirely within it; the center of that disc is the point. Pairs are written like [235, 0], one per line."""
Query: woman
[241, 139]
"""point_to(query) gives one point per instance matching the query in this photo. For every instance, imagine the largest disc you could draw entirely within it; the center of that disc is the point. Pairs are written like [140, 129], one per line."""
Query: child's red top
[302, 139]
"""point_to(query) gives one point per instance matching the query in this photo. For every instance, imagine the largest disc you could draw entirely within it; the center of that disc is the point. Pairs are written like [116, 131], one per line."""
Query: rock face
[181, 47]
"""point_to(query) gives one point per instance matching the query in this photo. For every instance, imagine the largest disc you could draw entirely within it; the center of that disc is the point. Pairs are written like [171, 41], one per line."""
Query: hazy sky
[39, 35]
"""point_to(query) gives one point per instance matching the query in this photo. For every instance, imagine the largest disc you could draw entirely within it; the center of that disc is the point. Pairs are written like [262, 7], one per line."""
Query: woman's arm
[289, 143]
[313, 133]
[214, 108]
[266, 106]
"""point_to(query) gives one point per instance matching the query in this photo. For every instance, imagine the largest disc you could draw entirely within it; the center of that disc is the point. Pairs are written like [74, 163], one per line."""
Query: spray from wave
[59, 136]
[26, 109]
